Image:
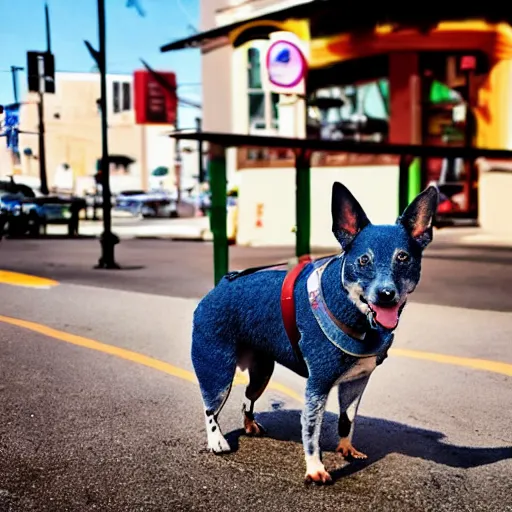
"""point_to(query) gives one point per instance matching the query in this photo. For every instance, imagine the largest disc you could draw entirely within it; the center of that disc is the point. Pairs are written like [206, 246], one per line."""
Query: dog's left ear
[348, 217]
[418, 217]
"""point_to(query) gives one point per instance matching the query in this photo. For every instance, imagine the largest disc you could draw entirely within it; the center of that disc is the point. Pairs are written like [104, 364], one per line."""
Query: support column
[303, 202]
[405, 121]
[218, 219]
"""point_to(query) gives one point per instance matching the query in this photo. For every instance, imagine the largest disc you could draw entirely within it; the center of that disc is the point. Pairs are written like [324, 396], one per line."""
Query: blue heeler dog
[344, 310]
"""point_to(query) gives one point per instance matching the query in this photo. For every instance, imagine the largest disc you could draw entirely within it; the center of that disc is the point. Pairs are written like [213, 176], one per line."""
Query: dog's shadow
[378, 438]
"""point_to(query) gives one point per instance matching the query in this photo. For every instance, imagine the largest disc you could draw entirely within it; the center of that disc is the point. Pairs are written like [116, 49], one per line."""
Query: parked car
[25, 212]
[146, 204]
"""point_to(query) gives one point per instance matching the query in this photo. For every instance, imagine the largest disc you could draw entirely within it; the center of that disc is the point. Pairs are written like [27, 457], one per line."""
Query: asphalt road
[453, 275]
[82, 429]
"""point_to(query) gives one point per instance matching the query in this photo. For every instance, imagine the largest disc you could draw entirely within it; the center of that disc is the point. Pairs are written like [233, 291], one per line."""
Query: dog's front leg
[349, 398]
[312, 417]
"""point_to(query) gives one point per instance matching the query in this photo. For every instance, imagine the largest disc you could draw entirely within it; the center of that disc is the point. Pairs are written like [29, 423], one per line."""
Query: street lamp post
[108, 239]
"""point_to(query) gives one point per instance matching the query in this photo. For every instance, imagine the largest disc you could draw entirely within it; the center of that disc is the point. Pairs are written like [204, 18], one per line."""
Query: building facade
[73, 137]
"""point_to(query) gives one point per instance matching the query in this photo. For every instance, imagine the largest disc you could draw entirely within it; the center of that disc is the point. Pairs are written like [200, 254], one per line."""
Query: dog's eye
[402, 256]
[364, 260]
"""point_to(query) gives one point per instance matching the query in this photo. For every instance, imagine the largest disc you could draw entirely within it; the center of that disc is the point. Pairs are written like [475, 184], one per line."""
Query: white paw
[217, 443]
[315, 471]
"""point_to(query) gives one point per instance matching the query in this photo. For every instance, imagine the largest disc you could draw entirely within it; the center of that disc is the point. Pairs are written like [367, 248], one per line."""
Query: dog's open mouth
[386, 316]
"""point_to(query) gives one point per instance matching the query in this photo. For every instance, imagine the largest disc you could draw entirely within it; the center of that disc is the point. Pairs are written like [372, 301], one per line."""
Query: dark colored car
[17, 218]
[23, 213]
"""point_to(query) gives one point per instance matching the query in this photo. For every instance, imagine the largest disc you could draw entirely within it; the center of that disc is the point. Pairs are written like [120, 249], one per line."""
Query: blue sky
[129, 38]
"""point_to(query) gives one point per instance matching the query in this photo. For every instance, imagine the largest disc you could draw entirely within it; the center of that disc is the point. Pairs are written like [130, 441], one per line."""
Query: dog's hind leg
[215, 365]
[216, 441]
[260, 371]
[349, 398]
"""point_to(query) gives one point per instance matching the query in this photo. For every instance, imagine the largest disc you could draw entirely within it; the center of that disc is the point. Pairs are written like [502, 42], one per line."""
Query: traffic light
[41, 65]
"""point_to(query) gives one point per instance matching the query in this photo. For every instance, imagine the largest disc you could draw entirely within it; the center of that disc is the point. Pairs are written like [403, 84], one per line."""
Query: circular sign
[286, 64]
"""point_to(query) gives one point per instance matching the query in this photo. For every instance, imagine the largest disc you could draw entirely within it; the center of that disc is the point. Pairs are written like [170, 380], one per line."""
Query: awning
[327, 18]
[303, 10]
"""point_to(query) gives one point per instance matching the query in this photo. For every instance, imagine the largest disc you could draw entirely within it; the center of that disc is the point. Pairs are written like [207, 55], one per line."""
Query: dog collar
[344, 337]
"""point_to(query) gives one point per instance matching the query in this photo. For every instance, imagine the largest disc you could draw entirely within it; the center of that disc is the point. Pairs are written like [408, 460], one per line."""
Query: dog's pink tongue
[387, 317]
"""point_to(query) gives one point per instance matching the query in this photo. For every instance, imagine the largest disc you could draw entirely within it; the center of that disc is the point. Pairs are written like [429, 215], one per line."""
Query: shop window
[350, 112]
[116, 101]
[121, 97]
[127, 100]
[262, 104]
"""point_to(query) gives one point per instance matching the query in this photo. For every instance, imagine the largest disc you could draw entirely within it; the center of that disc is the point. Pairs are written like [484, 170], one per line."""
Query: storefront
[445, 83]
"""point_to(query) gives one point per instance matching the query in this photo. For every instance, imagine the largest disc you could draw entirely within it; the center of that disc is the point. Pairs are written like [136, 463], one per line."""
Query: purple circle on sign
[285, 64]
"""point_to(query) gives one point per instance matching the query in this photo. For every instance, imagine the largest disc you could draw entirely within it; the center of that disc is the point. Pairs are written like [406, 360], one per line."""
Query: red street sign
[153, 103]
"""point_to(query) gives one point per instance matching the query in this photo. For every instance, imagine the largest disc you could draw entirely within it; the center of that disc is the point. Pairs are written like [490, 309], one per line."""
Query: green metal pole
[414, 179]
[303, 202]
[218, 219]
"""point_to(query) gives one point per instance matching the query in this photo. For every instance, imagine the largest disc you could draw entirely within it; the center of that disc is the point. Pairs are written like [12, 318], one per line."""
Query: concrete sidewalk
[473, 236]
[193, 228]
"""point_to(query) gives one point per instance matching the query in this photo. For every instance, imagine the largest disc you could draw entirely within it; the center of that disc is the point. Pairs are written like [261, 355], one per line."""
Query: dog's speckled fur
[239, 322]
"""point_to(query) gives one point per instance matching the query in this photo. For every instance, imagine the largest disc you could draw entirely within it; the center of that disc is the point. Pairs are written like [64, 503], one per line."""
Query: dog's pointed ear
[348, 217]
[419, 216]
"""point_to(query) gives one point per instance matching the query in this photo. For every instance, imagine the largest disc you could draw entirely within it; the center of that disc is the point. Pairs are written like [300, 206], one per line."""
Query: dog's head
[382, 263]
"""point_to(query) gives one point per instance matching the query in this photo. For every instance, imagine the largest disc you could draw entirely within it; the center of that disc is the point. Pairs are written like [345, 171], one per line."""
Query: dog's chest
[363, 368]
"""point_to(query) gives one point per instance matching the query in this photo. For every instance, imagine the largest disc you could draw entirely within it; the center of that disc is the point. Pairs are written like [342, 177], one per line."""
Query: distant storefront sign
[11, 125]
[286, 65]
[155, 104]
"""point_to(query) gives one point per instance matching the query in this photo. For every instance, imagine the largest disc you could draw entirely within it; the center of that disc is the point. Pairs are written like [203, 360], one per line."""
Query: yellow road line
[240, 378]
[26, 280]
[468, 362]
[129, 355]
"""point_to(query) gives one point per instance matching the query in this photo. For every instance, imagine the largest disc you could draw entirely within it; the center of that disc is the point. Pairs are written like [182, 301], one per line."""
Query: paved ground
[128, 226]
[454, 275]
[100, 426]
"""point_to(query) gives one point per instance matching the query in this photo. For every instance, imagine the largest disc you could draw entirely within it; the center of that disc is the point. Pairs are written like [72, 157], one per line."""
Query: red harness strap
[288, 304]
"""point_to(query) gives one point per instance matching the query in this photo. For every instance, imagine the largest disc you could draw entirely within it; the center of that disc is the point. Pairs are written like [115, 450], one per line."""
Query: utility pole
[47, 19]
[41, 80]
[40, 109]
[42, 146]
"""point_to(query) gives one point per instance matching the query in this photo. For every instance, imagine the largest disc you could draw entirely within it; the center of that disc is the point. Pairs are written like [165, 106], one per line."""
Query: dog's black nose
[386, 295]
